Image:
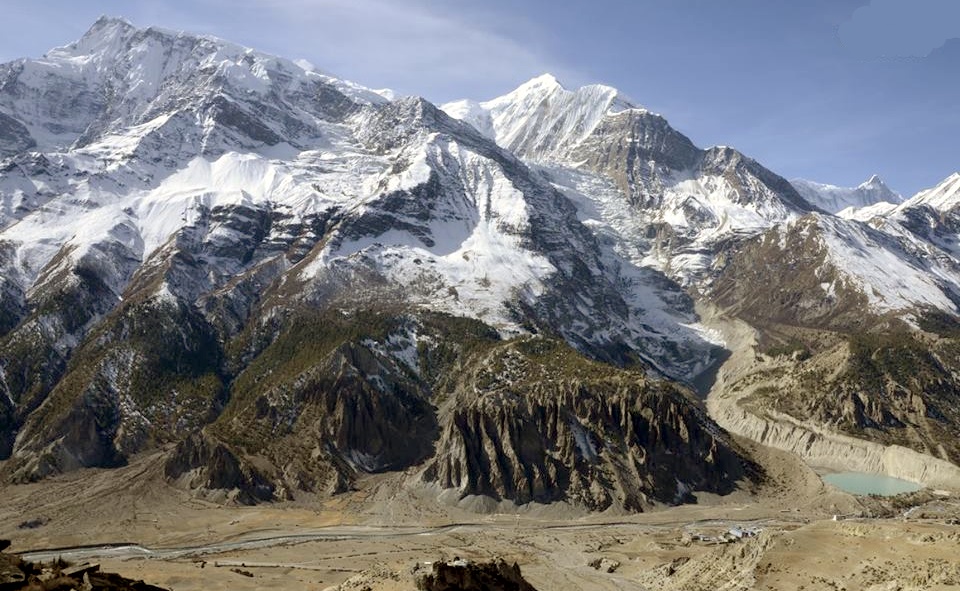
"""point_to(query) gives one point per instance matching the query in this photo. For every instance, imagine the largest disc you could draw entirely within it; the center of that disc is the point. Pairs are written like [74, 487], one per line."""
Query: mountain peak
[105, 38]
[108, 27]
[836, 199]
[541, 119]
[945, 196]
[549, 85]
[132, 75]
[873, 182]
[106, 21]
[532, 91]
[546, 80]
[879, 191]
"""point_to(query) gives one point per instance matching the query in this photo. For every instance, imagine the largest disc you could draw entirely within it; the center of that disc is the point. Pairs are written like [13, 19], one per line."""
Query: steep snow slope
[931, 217]
[943, 197]
[867, 213]
[894, 271]
[117, 76]
[835, 199]
[541, 120]
[676, 201]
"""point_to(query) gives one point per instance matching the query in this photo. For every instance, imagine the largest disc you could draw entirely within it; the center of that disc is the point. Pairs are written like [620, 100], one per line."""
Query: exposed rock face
[829, 449]
[875, 401]
[531, 422]
[209, 467]
[897, 387]
[318, 414]
[524, 421]
[150, 374]
[473, 576]
[559, 441]
[14, 136]
[70, 296]
[8, 422]
[17, 575]
[779, 278]
[623, 146]
[13, 572]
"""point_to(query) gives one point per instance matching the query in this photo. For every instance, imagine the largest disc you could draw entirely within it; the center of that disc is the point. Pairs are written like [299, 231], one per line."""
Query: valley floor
[375, 537]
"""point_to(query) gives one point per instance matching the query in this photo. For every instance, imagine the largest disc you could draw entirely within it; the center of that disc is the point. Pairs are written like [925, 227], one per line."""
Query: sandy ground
[375, 538]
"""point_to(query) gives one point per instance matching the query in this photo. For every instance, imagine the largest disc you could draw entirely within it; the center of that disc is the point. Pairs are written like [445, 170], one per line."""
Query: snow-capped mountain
[118, 77]
[930, 217]
[293, 280]
[833, 199]
[211, 127]
[541, 120]
[673, 207]
[944, 197]
[630, 171]
[172, 204]
[764, 251]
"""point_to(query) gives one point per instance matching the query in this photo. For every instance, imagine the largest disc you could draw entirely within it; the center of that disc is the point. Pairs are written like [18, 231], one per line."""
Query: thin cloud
[901, 28]
[410, 46]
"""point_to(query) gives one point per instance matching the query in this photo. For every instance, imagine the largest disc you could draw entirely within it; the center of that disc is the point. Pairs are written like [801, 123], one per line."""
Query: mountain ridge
[219, 201]
[836, 199]
[290, 282]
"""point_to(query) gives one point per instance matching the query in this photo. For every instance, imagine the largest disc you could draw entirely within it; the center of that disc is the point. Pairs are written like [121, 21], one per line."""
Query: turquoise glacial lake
[858, 483]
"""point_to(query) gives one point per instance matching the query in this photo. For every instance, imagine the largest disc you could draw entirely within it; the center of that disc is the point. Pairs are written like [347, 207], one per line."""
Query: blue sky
[831, 90]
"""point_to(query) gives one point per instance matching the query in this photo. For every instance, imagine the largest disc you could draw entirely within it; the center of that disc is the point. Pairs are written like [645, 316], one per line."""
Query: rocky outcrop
[778, 277]
[8, 428]
[574, 431]
[623, 147]
[314, 409]
[17, 574]
[527, 420]
[14, 136]
[210, 468]
[463, 575]
[71, 294]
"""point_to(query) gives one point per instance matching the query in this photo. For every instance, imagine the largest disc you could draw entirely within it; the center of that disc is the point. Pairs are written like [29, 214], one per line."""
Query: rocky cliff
[531, 421]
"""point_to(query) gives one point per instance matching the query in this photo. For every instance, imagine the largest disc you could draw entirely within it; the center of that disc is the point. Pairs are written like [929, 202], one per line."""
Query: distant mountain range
[836, 200]
[286, 281]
